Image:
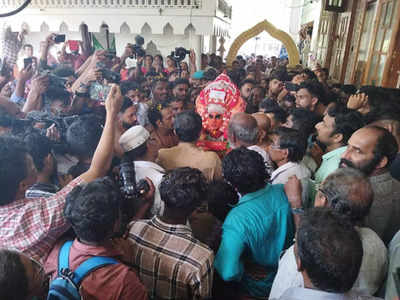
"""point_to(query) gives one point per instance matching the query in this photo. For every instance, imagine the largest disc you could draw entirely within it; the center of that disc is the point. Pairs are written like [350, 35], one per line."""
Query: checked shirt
[32, 226]
[171, 263]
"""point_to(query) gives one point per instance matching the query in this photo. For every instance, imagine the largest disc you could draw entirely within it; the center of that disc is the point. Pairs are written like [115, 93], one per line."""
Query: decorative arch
[63, 27]
[190, 29]
[124, 28]
[146, 29]
[287, 41]
[44, 27]
[168, 30]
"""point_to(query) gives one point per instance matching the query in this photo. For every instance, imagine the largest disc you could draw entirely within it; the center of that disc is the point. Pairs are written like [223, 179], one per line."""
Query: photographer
[141, 151]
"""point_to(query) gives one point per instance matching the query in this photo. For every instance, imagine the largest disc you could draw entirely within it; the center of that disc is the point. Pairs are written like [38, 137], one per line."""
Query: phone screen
[27, 62]
[60, 38]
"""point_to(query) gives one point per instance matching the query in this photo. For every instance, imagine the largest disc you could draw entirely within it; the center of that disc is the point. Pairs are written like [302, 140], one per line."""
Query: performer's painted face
[215, 121]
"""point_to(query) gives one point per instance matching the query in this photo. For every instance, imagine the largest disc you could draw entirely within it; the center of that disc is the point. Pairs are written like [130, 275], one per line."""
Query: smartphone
[291, 87]
[27, 61]
[59, 38]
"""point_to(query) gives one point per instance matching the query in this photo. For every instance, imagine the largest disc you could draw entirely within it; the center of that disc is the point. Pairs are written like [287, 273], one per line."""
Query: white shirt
[282, 174]
[312, 294]
[372, 271]
[265, 156]
[150, 169]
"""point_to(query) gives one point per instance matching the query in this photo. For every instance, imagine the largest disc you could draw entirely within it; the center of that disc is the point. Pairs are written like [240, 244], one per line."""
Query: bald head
[263, 122]
[242, 130]
[349, 192]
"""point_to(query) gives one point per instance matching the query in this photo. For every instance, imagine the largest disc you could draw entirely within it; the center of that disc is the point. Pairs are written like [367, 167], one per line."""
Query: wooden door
[382, 43]
[340, 44]
[362, 44]
[325, 43]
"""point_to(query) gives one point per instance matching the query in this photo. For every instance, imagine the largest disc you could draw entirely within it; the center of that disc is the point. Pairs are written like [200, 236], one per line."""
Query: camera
[110, 76]
[137, 48]
[179, 54]
[128, 186]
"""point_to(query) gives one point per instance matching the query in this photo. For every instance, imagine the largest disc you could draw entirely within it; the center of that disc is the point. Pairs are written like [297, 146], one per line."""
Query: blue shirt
[258, 229]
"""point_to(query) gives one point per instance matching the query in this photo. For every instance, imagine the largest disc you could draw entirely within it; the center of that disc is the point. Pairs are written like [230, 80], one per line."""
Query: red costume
[216, 103]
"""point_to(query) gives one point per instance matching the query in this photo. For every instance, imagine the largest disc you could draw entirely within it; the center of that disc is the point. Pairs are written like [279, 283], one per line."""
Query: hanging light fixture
[335, 5]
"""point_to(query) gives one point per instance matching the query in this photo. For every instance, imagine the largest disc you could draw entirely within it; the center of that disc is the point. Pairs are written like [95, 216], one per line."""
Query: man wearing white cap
[139, 147]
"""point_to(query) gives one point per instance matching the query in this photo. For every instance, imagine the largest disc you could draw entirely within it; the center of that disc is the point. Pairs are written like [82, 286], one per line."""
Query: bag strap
[63, 257]
[91, 265]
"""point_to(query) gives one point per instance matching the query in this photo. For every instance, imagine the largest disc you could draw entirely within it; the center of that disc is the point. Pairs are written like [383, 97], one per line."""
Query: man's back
[188, 155]
[384, 216]
[107, 283]
[260, 226]
[171, 263]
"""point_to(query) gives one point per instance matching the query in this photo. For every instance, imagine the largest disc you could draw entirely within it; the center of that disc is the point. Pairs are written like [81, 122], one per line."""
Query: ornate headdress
[220, 96]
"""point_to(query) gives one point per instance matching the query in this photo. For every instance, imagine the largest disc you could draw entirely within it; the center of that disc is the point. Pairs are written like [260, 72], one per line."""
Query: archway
[287, 41]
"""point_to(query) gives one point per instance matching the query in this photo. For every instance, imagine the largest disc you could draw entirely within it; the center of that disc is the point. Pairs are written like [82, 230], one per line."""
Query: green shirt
[257, 229]
[330, 163]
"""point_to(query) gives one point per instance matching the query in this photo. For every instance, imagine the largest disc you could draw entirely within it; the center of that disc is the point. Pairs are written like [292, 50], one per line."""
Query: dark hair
[310, 74]
[93, 209]
[188, 126]
[154, 113]
[330, 250]
[346, 121]
[27, 46]
[14, 284]
[83, 136]
[149, 55]
[279, 114]
[126, 104]
[221, 197]
[348, 192]
[293, 141]
[386, 145]
[304, 120]
[157, 81]
[315, 88]
[78, 169]
[39, 147]
[180, 81]
[13, 167]
[53, 94]
[349, 89]
[183, 188]
[245, 170]
[268, 105]
[160, 56]
[127, 86]
[210, 74]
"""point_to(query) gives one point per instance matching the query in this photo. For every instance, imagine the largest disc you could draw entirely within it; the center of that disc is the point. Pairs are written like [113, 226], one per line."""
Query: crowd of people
[178, 181]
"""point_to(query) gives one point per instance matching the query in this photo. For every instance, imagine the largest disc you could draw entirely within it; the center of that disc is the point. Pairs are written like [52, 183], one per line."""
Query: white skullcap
[133, 138]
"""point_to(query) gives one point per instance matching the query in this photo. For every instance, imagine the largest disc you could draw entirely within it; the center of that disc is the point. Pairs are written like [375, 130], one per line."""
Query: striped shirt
[32, 226]
[171, 263]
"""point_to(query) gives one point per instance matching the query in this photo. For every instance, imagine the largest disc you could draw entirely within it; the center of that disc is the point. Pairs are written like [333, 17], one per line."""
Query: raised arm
[104, 152]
